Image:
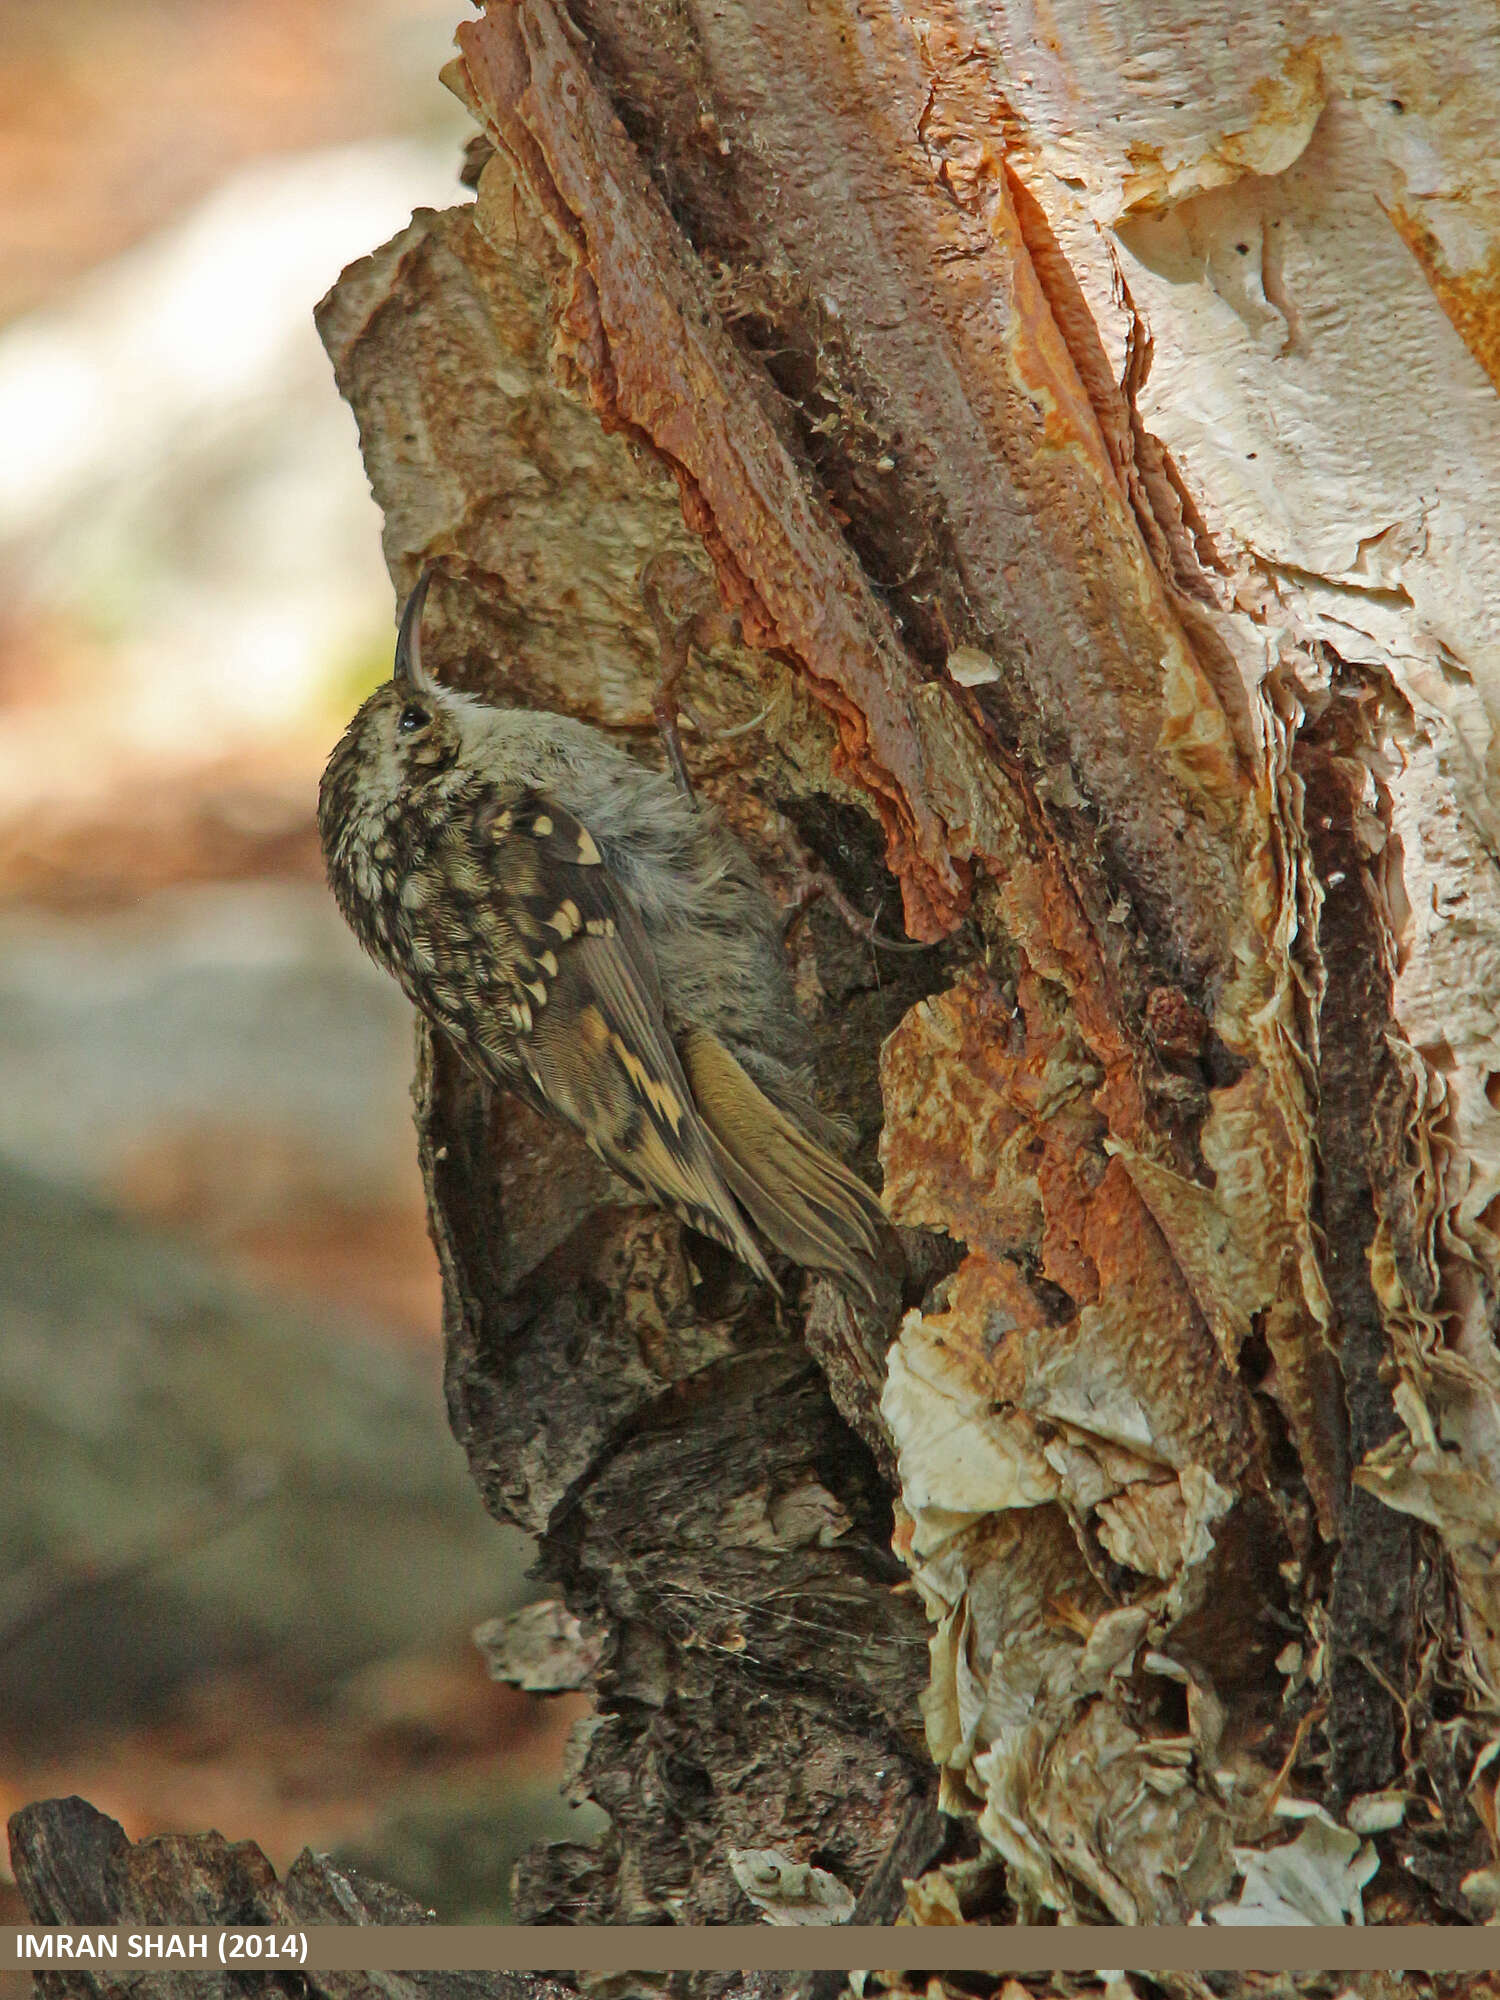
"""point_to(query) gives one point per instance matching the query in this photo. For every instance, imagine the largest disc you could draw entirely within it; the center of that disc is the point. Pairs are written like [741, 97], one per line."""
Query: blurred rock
[201, 1480]
[454, 1851]
[229, 821]
[225, 1059]
[344, 1766]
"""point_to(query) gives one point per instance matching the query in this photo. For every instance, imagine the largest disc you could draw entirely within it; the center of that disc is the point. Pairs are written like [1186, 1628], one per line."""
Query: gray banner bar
[755, 1948]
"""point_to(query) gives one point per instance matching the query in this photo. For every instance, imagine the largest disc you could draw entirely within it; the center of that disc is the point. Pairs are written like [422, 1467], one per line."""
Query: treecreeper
[593, 940]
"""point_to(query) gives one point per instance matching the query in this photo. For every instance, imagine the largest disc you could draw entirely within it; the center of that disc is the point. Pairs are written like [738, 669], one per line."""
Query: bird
[594, 941]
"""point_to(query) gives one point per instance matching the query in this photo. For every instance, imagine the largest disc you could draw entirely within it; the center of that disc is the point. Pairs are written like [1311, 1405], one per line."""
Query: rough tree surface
[1088, 413]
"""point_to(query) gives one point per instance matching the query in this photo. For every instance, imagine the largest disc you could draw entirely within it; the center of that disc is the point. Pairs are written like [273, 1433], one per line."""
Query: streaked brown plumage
[591, 940]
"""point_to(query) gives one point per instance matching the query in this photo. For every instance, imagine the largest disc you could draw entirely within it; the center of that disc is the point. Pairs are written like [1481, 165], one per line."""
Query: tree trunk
[1085, 416]
[1084, 435]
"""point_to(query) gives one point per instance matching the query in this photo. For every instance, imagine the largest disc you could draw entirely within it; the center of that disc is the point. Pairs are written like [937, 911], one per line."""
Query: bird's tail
[802, 1200]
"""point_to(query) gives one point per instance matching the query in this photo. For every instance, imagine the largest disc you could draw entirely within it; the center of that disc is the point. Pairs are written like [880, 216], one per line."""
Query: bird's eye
[412, 718]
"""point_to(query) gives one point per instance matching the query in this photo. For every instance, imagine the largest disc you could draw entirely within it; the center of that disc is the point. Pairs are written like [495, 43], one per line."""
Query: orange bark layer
[642, 335]
[993, 1136]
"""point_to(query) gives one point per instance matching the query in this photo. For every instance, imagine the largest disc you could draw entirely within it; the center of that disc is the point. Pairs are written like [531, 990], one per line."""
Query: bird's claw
[684, 608]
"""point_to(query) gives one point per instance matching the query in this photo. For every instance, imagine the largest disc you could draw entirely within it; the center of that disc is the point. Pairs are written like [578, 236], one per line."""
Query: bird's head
[407, 735]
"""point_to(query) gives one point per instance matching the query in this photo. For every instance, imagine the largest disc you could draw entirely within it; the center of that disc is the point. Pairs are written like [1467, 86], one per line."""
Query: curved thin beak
[409, 666]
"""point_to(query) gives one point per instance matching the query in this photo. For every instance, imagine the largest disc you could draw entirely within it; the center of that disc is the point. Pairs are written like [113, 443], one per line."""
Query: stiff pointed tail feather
[802, 1200]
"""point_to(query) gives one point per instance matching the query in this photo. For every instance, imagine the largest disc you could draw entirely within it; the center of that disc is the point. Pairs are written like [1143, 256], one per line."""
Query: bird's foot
[814, 884]
[683, 605]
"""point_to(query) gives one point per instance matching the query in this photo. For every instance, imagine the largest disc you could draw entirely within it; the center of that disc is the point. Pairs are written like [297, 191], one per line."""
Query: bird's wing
[586, 1011]
[799, 1197]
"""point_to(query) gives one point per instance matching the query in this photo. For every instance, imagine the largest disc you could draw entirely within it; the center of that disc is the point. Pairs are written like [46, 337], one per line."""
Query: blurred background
[240, 1556]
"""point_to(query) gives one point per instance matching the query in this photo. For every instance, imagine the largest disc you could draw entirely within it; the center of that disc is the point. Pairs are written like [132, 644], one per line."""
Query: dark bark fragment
[75, 1866]
[1371, 1605]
